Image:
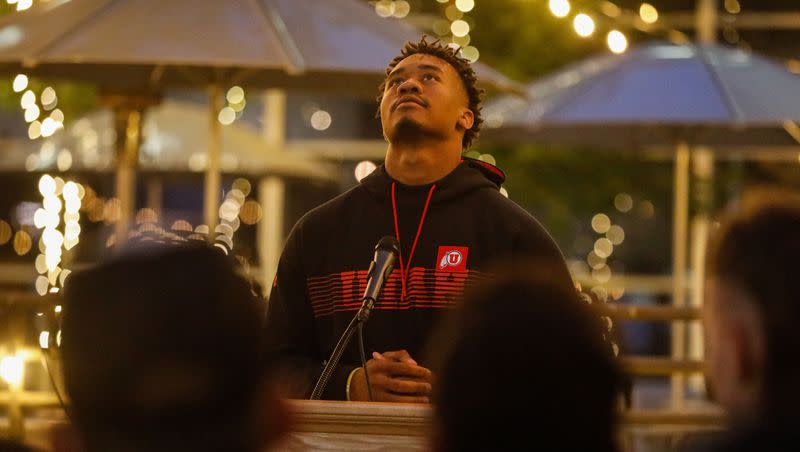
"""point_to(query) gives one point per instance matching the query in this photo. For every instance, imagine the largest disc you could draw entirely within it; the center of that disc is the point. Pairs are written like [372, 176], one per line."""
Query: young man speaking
[445, 211]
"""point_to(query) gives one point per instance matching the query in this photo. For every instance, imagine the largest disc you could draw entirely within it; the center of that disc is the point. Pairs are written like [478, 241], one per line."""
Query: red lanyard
[404, 270]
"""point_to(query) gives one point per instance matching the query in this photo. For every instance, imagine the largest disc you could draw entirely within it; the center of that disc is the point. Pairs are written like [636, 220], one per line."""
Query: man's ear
[748, 340]
[466, 119]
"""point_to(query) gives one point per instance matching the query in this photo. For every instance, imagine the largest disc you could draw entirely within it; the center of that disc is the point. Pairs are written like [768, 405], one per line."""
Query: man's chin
[407, 128]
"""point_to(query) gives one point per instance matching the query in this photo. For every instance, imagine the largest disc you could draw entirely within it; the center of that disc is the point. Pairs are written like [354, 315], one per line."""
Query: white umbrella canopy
[142, 46]
[333, 45]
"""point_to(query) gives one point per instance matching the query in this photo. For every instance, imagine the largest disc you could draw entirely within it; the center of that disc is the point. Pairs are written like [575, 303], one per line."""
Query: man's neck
[421, 163]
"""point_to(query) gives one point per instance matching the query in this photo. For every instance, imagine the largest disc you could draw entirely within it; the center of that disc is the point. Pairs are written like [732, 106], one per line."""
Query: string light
[32, 113]
[733, 6]
[12, 368]
[364, 169]
[235, 98]
[401, 9]
[465, 5]
[452, 13]
[48, 96]
[384, 8]
[623, 202]
[470, 53]
[226, 116]
[559, 8]
[54, 242]
[28, 99]
[584, 25]
[456, 28]
[321, 120]
[459, 28]
[601, 223]
[235, 95]
[617, 41]
[648, 13]
[20, 83]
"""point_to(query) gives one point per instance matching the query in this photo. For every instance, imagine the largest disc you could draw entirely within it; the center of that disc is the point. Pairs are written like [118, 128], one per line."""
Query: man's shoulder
[334, 208]
[504, 209]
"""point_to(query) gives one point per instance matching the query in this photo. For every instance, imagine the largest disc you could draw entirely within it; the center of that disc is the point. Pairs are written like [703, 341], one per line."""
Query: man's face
[424, 94]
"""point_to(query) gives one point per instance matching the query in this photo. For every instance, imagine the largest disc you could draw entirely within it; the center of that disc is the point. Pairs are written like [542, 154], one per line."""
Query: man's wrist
[350, 381]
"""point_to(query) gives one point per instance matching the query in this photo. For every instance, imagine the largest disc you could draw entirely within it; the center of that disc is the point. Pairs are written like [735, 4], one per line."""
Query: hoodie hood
[467, 177]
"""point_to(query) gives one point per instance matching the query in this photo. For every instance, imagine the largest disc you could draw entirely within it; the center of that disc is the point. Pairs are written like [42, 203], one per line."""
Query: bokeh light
[623, 202]
[5, 232]
[584, 25]
[364, 169]
[251, 212]
[648, 13]
[459, 28]
[321, 120]
[617, 41]
[601, 223]
[465, 5]
[559, 8]
[20, 83]
[22, 243]
[12, 368]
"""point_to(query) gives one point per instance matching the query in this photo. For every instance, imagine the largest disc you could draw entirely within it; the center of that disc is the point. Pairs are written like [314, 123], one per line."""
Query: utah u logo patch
[452, 259]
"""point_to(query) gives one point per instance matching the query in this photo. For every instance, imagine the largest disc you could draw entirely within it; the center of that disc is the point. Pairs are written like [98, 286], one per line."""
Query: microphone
[386, 252]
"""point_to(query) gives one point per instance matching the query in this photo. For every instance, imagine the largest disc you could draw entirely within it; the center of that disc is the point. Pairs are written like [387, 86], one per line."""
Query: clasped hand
[394, 377]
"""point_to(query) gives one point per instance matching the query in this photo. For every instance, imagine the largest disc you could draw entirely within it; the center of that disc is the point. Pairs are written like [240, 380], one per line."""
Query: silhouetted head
[524, 363]
[162, 350]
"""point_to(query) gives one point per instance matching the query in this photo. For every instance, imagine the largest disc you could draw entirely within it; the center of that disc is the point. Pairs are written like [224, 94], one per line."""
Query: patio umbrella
[172, 143]
[658, 95]
[142, 46]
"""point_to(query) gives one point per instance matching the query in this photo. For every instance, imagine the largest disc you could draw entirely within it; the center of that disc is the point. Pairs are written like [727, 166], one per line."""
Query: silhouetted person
[525, 366]
[162, 351]
[752, 321]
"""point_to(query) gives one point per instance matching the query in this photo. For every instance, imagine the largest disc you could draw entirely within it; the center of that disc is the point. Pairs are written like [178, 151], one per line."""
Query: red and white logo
[452, 258]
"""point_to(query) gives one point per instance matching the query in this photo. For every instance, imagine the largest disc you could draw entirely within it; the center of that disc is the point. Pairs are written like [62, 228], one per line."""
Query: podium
[330, 425]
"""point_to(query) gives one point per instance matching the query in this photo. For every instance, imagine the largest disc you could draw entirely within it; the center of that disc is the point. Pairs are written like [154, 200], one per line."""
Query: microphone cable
[364, 358]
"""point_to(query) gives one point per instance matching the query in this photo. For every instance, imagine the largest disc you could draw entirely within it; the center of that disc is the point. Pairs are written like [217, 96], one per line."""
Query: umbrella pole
[703, 189]
[129, 120]
[271, 188]
[679, 240]
[212, 184]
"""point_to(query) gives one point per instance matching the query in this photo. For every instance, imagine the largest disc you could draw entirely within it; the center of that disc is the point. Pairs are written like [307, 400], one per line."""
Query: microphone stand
[385, 253]
[357, 322]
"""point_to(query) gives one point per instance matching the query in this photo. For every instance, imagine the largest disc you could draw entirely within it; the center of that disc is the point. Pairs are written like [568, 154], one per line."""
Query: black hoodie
[466, 226]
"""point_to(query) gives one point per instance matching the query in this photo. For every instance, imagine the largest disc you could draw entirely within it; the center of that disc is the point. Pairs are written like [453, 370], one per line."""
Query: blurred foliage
[523, 40]
[565, 186]
[74, 99]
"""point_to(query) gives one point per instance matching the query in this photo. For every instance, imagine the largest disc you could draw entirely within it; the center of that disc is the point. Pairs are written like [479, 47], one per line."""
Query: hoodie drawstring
[404, 270]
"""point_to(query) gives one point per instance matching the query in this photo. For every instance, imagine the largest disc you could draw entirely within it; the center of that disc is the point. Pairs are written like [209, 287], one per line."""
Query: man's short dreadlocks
[462, 67]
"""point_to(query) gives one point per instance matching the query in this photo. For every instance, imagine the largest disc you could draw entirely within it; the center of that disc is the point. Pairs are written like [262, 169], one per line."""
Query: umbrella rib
[726, 94]
[792, 129]
[578, 91]
[72, 28]
[289, 47]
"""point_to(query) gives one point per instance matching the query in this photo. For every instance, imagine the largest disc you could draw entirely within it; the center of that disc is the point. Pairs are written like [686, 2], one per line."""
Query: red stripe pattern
[426, 288]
